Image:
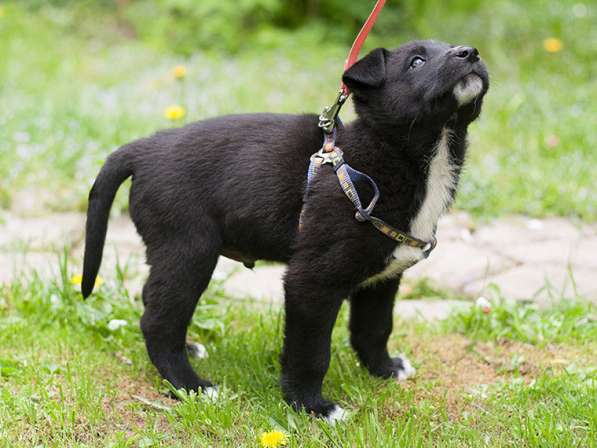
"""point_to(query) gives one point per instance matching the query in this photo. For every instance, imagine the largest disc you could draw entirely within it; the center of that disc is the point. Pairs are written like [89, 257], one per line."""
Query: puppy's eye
[417, 61]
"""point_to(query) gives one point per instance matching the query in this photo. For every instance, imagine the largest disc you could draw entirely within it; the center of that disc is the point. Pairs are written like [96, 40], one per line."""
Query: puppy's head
[420, 83]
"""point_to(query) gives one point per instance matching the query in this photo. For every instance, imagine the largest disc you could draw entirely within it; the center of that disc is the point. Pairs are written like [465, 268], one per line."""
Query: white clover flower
[115, 324]
[484, 304]
[55, 301]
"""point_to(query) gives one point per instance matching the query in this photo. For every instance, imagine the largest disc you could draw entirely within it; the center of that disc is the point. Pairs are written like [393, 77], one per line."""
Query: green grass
[483, 380]
[74, 88]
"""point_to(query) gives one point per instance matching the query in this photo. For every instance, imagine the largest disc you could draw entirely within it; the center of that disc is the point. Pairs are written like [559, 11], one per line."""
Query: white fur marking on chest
[441, 182]
[468, 89]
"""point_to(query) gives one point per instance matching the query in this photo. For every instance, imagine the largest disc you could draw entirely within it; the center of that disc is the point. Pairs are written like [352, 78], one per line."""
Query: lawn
[516, 376]
[77, 82]
[67, 104]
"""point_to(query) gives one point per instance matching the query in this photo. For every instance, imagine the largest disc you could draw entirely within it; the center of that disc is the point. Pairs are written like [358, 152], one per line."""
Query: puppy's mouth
[468, 88]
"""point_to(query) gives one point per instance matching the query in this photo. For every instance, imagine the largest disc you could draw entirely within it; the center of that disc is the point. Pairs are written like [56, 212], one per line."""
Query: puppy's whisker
[412, 123]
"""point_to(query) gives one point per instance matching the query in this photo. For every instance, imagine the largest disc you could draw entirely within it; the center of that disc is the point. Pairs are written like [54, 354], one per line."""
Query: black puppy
[234, 186]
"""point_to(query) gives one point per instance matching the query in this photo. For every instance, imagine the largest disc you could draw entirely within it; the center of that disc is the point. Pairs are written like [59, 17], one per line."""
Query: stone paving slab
[555, 251]
[52, 232]
[518, 254]
[262, 283]
[454, 264]
[16, 264]
[429, 310]
[519, 229]
[540, 283]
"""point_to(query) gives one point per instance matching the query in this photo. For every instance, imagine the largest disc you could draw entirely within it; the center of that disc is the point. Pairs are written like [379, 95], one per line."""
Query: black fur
[234, 185]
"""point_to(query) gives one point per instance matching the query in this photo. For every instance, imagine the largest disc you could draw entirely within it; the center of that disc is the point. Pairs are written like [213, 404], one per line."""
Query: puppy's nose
[469, 53]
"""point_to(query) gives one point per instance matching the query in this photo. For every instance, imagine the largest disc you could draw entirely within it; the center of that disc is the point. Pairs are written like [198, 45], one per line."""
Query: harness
[330, 154]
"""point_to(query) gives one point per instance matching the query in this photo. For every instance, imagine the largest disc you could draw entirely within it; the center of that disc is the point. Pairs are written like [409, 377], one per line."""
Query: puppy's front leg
[371, 317]
[311, 305]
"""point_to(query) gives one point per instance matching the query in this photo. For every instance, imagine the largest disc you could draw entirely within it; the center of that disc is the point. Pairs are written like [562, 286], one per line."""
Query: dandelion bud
[179, 71]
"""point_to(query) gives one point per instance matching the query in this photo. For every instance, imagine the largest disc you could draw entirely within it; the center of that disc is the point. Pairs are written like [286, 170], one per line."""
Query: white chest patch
[468, 89]
[441, 182]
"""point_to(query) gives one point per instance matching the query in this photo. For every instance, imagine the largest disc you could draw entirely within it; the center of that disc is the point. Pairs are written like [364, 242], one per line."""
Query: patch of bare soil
[455, 366]
[135, 398]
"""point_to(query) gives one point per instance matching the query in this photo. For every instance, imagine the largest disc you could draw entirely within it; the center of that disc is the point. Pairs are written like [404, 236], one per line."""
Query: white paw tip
[211, 393]
[337, 414]
[196, 350]
[408, 371]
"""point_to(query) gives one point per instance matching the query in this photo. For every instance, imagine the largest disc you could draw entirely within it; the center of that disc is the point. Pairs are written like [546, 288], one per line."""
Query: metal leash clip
[327, 119]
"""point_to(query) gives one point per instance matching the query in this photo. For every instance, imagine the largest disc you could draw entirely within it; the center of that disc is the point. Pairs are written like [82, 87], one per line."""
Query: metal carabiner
[327, 118]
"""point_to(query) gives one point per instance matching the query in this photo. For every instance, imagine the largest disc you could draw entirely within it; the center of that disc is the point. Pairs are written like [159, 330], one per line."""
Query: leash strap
[360, 40]
[328, 118]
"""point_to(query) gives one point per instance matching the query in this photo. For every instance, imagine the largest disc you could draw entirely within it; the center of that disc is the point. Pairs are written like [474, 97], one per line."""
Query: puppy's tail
[114, 172]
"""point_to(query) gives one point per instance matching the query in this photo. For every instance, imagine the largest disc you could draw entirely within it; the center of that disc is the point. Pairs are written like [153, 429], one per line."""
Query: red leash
[360, 40]
[327, 119]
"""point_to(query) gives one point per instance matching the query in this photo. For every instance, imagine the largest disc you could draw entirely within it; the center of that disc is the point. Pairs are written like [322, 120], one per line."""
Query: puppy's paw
[330, 412]
[398, 367]
[402, 369]
[196, 350]
[211, 393]
[337, 414]
[319, 407]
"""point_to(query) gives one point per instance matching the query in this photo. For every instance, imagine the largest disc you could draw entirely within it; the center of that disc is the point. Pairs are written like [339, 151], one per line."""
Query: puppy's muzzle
[469, 54]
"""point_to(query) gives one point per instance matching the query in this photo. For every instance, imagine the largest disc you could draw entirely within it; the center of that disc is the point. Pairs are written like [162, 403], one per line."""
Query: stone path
[526, 259]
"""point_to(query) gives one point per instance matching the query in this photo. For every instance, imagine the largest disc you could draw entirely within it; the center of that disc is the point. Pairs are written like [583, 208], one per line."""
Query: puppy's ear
[368, 72]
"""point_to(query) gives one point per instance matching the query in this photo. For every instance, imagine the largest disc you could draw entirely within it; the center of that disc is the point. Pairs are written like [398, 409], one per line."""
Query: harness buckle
[334, 157]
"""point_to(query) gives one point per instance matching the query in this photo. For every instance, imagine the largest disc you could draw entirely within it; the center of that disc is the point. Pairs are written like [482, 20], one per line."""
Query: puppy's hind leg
[180, 272]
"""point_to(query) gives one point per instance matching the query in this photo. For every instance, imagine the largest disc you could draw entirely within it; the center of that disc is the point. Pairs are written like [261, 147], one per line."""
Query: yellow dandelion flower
[77, 279]
[179, 71]
[273, 439]
[174, 112]
[553, 45]
[1, 11]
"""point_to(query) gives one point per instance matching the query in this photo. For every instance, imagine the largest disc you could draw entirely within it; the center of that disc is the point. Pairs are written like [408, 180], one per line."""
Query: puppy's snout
[468, 53]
